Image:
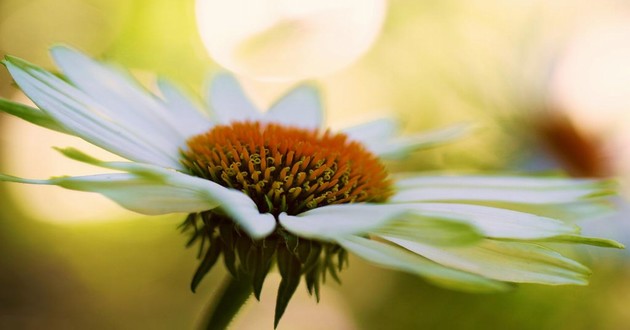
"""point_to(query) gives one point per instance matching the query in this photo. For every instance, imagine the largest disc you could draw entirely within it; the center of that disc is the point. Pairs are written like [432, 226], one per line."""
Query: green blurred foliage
[412, 304]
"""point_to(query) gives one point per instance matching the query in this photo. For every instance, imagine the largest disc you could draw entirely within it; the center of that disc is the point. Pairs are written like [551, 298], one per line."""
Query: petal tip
[264, 226]
[61, 53]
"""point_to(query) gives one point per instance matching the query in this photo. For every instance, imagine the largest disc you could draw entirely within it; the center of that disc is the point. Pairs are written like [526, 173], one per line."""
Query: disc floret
[286, 169]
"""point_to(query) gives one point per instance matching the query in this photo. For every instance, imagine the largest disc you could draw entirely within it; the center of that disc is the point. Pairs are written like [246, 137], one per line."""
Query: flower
[274, 188]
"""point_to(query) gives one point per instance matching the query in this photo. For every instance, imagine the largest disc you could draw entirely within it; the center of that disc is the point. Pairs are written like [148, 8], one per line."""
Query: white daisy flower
[274, 187]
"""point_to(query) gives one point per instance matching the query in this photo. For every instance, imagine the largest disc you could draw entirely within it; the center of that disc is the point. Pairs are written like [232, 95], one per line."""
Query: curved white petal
[229, 102]
[389, 256]
[494, 222]
[429, 230]
[191, 119]
[301, 107]
[497, 189]
[237, 205]
[122, 99]
[240, 208]
[373, 131]
[574, 212]
[78, 114]
[330, 222]
[168, 194]
[505, 261]
[399, 147]
[379, 136]
[517, 182]
[136, 193]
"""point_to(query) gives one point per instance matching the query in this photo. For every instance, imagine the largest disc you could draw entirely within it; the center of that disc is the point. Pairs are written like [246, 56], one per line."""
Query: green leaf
[30, 114]
[290, 270]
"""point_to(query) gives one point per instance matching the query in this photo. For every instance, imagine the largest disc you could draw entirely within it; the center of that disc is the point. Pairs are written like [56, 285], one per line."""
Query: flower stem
[232, 297]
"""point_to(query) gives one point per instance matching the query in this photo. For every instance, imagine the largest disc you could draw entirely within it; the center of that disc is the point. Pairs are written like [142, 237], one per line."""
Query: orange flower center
[287, 169]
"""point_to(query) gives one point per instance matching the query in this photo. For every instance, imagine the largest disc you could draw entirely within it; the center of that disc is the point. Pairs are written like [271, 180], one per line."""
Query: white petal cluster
[467, 232]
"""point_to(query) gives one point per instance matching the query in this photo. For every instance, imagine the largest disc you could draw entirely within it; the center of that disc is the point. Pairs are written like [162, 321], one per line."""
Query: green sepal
[208, 232]
[243, 249]
[214, 250]
[191, 222]
[329, 263]
[292, 243]
[250, 258]
[228, 242]
[264, 260]
[290, 270]
[342, 259]
[312, 280]
[313, 258]
[303, 250]
[577, 239]
[30, 114]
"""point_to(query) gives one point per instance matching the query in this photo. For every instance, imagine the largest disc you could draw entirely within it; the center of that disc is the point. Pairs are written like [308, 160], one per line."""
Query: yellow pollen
[287, 169]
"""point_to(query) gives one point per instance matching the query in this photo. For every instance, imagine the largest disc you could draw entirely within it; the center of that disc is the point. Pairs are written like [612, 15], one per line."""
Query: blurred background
[547, 83]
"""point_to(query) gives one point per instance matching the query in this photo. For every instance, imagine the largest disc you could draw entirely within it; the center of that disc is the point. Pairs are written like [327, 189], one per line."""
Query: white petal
[301, 107]
[236, 204]
[494, 222]
[391, 257]
[433, 231]
[590, 208]
[329, 222]
[79, 115]
[379, 137]
[122, 99]
[505, 261]
[373, 134]
[400, 147]
[244, 212]
[498, 189]
[229, 102]
[133, 192]
[191, 118]
[494, 181]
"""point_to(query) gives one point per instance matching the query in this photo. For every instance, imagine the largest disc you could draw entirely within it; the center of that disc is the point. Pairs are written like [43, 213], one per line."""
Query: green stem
[232, 297]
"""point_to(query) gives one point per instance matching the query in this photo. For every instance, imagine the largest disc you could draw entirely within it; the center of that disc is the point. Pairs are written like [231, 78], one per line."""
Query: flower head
[265, 188]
